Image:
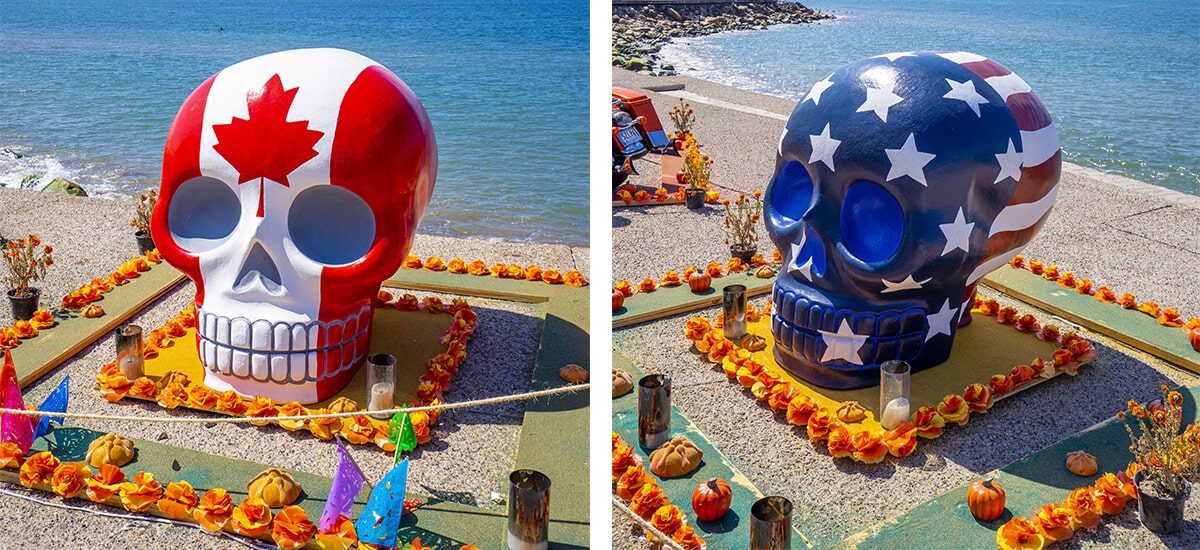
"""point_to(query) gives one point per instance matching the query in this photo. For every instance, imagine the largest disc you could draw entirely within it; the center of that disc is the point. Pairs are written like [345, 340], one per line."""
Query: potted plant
[1167, 460]
[145, 207]
[683, 117]
[26, 264]
[741, 219]
[697, 169]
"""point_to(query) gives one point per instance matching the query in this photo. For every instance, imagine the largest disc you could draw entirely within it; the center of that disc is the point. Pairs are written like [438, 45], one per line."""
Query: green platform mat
[673, 300]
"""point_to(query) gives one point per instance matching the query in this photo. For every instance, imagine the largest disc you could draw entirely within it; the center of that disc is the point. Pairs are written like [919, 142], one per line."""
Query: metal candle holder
[528, 510]
[894, 407]
[381, 382]
[733, 304]
[771, 524]
[654, 410]
[130, 359]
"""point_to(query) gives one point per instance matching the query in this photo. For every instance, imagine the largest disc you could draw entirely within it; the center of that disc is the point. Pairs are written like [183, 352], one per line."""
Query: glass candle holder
[528, 510]
[130, 360]
[893, 393]
[654, 410]
[381, 383]
[771, 524]
[733, 305]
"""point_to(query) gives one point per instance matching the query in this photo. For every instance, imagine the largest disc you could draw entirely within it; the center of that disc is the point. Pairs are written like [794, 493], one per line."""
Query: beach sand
[472, 452]
[1118, 232]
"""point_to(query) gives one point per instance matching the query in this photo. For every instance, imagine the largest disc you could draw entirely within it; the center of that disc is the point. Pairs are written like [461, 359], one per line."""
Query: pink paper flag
[14, 428]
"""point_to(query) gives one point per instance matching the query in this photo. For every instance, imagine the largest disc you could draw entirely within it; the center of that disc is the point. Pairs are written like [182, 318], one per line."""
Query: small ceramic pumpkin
[677, 457]
[276, 487]
[764, 272]
[622, 382]
[850, 412]
[753, 342]
[985, 498]
[1081, 463]
[618, 299]
[573, 373]
[700, 281]
[1194, 338]
[110, 449]
[711, 499]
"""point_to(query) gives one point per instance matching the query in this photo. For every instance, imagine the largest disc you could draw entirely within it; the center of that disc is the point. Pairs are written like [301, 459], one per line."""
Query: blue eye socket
[331, 225]
[204, 211]
[792, 193]
[872, 222]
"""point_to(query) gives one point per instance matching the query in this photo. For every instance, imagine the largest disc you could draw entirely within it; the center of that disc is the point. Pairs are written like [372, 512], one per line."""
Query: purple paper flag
[381, 519]
[347, 482]
[14, 428]
[56, 402]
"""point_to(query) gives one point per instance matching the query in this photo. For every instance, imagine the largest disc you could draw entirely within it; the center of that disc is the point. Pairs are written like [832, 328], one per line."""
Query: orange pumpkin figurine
[985, 498]
[711, 499]
[618, 299]
[700, 281]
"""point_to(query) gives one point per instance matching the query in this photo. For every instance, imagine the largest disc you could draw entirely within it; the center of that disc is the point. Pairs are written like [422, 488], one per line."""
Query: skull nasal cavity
[259, 267]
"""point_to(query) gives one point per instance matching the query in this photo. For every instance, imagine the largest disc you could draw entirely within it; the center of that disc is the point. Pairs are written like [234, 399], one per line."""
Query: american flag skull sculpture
[292, 186]
[900, 181]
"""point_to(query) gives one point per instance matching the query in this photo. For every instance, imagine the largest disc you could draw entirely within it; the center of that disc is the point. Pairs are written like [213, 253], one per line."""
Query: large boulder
[65, 186]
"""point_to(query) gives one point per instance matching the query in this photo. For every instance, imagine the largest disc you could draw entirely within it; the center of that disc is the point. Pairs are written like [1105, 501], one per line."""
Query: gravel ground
[1116, 231]
[471, 454]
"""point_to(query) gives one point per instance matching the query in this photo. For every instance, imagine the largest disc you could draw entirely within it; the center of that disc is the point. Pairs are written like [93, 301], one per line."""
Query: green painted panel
[671, 300]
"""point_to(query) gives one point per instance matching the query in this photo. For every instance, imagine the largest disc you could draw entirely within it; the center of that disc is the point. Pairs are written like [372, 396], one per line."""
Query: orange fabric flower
[358, 429]
[782, 395]
[819, 424]
[407, 302]
[533, 273]
[1019, 534]
[840, 443]
[263, 408]
[497, 270]
[1018, 261]
[1026, 323]
[901, 441]
[641, 196]
[1084, 510]
[647, 285]
[668, 519]
[214, 510]
[1048, 333]
[1110, 494]
[1007, 315]
[477, 268]
[625, 197]
[141, 493]
[251, 518]
[232, 403]
[1084, 286]
[552, 276]
[153, 256]
[324, 428]
[954, 409]
[625, 288]
[435, 263]
[292, 408]
[1000, 384]
[70, 479]
[178, 500]
[686, 537]
[10, 455]
[714, 269]
[38, 469]
[432, 304]
[800, 410]
[341, 536]
[24, 330]
[139, 264]
[1051, 272]
[1067, 280]
[428, 391]
[735, 265]
[1053, 522]
[106, 482]
[42, 319]
[688, 272]
[457, 265]
[869, 447]
[574, 278]
[929, 422]
[671, 278]
[1149, 308]
[1105, 294]
[1128, 301]
[647, 500]
[1169, 318]
[144, 388]
[623, 458]
[631, 481]
[172, 395]
[978, 398]
[8, 338]
[412, 261]
[291, 528]
[200, 396]
[514, 271]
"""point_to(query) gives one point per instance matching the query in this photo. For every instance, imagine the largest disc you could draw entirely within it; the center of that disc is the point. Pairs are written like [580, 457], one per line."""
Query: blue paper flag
[347, 482]
[56, 402]
[380, 521]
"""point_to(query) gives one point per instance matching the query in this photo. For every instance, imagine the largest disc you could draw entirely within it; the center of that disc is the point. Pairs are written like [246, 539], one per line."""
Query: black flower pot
[24, 306]
[693, 197]
[743, 253]
[145, 242]
[1158, 514]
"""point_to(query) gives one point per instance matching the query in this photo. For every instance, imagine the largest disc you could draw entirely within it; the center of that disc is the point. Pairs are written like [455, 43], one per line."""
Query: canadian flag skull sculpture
[899, 182]
[292, 186]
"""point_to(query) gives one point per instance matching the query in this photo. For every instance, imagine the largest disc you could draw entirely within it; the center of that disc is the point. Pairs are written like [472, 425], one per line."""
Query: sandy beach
[470, 457]
[1126, 234]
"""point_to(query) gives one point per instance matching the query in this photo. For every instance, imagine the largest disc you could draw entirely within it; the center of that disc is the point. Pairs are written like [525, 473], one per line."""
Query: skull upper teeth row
[281, 352]
[823, 334]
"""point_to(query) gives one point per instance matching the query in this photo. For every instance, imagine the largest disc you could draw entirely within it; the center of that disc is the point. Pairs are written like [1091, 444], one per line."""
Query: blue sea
[1121, 79]
[88, 90]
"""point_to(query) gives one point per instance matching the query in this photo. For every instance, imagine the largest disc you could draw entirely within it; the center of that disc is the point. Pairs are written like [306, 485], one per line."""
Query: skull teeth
[802, 328]
[281, 352]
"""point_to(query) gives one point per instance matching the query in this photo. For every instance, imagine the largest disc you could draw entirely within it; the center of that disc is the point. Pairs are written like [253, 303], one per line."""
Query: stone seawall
[640, 29]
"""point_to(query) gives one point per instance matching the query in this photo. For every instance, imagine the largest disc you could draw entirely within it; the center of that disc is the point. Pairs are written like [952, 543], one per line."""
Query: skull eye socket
[792, 193]
[331, 225]
[872, 222]
[204, 211]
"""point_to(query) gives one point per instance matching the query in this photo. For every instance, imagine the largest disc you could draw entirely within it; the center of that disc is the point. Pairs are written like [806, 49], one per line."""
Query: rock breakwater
[640, 30]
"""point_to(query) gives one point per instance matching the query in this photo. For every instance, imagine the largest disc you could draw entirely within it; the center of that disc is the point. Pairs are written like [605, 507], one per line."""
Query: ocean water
[1120, 78]
[88, 90]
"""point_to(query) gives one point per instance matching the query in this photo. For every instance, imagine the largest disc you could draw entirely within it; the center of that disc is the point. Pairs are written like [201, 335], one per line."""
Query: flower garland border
[713, 269]
[625, 462]
[872, 446]
[1084, 507]
[174, 388]
[480, 268]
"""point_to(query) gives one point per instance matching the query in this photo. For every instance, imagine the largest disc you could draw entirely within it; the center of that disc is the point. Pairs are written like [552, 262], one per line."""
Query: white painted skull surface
[292, 186]
[899, 182]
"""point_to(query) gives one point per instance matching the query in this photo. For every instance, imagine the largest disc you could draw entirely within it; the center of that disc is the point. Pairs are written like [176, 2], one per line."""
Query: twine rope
[645, 525]
[241, 419]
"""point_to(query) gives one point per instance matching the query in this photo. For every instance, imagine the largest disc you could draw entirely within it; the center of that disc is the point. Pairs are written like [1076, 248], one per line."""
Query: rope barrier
[241, 419]
[645, 525]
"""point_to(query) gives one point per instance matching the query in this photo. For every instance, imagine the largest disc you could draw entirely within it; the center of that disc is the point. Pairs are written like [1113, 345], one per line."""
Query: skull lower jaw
[841, 348]
[303, 362]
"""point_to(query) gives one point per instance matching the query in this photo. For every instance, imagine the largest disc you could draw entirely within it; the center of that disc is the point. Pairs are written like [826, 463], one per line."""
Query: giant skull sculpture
[900, 181]
[292, 185]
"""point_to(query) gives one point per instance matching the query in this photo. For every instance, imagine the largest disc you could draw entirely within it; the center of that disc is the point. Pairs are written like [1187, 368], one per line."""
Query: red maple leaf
[266, 146]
